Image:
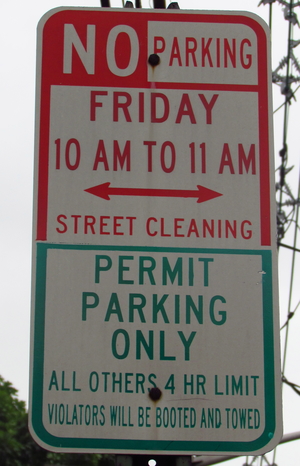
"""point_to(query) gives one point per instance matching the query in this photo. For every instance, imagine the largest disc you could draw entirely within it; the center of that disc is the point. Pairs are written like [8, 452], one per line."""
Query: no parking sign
[155, 322]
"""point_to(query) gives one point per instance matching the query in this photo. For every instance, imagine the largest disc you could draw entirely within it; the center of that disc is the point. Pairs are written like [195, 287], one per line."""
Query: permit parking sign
[154, 302]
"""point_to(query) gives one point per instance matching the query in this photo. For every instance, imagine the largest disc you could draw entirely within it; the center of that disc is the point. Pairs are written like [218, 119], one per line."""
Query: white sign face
[155, 324]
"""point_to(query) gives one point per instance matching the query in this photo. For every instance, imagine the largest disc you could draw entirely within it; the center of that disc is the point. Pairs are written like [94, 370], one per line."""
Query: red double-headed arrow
[105, 191]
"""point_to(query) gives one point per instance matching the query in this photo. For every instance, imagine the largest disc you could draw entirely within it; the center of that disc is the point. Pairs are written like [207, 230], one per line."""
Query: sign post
[154, 320]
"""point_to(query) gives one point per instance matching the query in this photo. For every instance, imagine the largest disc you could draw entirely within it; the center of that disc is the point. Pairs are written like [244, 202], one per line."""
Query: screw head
[153, 59]
[155, 394]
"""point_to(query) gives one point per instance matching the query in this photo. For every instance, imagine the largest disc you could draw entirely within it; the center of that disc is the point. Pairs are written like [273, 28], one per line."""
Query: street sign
[155, 307]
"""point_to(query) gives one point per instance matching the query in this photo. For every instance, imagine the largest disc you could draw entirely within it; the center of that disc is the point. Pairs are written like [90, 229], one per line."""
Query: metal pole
[159, 4]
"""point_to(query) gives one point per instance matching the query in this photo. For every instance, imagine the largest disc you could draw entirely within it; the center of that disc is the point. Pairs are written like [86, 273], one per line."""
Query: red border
[51, 36]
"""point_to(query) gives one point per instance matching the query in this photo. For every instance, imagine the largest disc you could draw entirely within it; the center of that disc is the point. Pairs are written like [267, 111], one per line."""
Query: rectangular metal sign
[154, 305]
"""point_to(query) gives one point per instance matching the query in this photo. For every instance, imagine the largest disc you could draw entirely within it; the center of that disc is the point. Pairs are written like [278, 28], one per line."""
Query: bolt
[155, 394]
[153, 59]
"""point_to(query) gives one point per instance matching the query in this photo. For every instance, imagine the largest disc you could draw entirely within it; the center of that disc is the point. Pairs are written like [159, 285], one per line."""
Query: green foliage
[11, 412]
[17, 448]
[15, 444]
[75, 459]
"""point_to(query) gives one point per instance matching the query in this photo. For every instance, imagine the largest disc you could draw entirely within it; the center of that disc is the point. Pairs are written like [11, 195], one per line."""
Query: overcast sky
[18, 48]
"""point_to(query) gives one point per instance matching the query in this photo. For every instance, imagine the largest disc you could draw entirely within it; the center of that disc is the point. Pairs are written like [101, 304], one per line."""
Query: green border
[92, 444]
